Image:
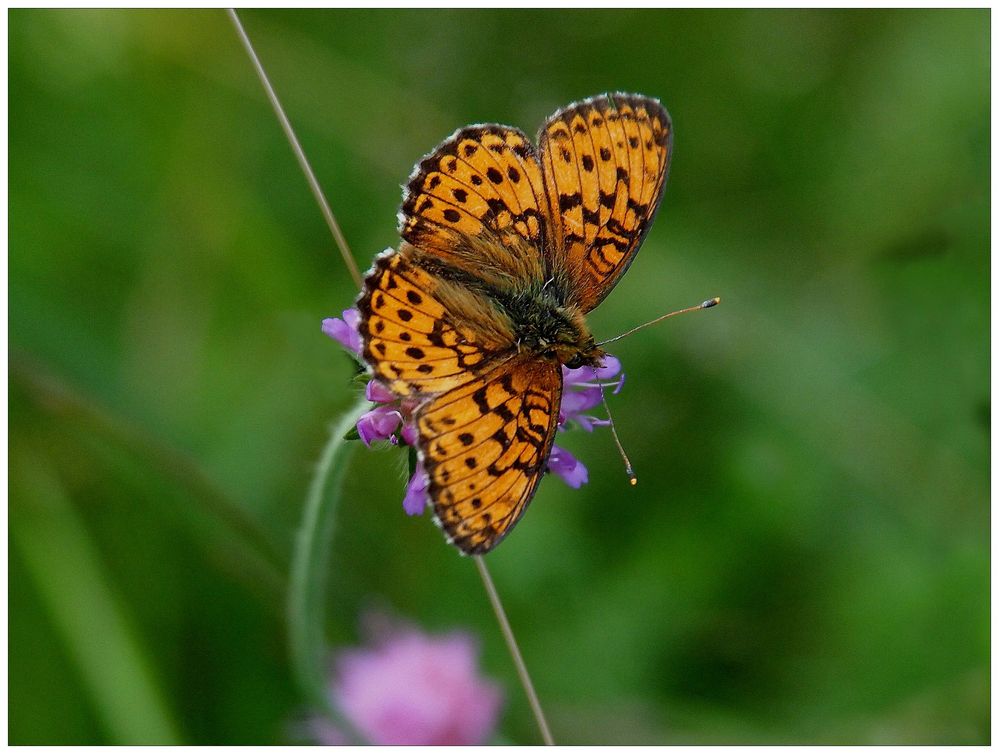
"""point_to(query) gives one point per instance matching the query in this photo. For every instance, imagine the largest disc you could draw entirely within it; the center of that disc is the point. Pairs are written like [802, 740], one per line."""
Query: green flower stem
[309, 568]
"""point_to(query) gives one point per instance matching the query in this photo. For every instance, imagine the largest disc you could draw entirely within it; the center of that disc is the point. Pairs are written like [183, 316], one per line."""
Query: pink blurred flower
[412, 688]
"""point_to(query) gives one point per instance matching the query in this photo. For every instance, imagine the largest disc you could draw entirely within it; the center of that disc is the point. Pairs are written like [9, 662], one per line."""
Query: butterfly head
[579, 350]
[592, 357]
[560, 332]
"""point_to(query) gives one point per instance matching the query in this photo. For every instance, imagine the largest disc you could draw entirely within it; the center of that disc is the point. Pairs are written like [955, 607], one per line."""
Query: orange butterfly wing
[485, 447]
[474, 219]
[478, 203]
[486, 414]
[414, 345]
[605, 161]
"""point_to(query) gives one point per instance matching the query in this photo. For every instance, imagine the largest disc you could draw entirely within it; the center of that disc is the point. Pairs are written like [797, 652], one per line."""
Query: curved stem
[310, 561]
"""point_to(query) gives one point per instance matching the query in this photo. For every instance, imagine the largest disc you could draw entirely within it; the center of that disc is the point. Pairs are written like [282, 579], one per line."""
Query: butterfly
[506, 246]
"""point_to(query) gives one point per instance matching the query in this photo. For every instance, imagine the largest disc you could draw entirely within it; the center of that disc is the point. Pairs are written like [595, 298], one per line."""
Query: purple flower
[376, 392]
[575, 402]
[608, 370]
[392, 418]
[410, 434]
[344, 331]
[582, 392]
[412, 688]
[592, 376]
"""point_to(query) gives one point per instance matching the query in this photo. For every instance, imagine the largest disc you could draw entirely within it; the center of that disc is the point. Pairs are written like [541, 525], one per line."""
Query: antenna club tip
[711, 302]
[633, 481]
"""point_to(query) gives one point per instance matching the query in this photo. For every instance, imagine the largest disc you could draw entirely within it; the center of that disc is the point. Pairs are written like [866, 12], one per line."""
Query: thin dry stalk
[303, 162]
[511, 643]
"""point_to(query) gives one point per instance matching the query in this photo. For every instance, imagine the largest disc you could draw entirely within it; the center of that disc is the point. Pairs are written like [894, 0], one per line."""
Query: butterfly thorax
[552, 330]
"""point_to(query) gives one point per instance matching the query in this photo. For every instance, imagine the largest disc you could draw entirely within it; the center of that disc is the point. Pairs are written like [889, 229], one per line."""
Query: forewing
[604, 162]
[485, 447]
[478, 202]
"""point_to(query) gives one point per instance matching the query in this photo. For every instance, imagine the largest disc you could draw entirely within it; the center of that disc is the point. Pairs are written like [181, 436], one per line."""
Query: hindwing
[485, 447]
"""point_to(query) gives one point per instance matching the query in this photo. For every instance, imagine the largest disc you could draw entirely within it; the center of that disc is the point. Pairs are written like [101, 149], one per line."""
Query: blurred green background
[806, 555]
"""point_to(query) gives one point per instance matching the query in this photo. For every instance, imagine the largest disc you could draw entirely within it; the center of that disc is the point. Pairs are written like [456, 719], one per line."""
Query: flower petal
[575, 401]
[588, 423]
[416, 491]
[417, 689]
[378, 393]
[609, 368]
[352, 317]
[572, 377]
[410, 434]
[565, 465]
[344, 331]
[378, 424]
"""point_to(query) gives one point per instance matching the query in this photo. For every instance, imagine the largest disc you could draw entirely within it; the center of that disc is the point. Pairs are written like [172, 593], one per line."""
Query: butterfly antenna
[628, 469]
[703, 305]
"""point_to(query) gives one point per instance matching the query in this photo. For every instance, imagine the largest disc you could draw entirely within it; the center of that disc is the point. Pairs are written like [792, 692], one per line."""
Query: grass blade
[52, 541]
